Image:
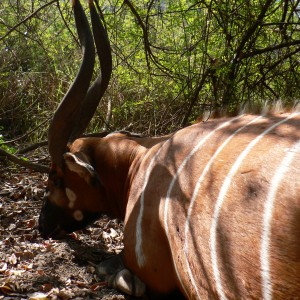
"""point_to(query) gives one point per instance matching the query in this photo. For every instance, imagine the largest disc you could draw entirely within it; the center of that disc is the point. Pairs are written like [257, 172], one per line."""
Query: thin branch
[27, 133]
[32, 147]
[21, 162]
[26, 19]
[66, 24]
[269, 49]
[279, 23]
[147, 44]
[247, 36]
[144, 29]
[195, 95]
[249, 32]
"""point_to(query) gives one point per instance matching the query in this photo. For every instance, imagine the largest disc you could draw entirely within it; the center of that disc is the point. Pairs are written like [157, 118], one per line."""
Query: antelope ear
[79, 163]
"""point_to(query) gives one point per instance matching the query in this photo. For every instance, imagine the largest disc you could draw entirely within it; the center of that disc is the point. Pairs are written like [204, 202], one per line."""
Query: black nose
[54, 232]
[50, 221]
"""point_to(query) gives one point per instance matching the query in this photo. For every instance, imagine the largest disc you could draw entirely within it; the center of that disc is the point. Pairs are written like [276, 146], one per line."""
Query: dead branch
[21, 162]
[26, 134]
[32, 147]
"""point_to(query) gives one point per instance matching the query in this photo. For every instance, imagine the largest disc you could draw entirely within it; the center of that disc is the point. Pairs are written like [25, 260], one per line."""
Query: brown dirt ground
[34, 268]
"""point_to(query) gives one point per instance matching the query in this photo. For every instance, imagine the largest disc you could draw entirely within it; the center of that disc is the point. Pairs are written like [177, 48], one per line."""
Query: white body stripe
[195, 195]
[139, 239]
[220, 200]
[264, 255]
[179, 170]
[138, 235]
[267, 217]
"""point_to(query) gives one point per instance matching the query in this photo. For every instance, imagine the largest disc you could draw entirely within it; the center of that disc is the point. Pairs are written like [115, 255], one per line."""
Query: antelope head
[72, 179]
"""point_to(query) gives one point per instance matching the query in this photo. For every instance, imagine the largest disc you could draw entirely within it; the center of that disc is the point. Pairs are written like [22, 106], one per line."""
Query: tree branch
[268, 49]
[26, 19]
[144, 29]
[26, 134]
[27, 164]
[32, 147]
[147, 44]
[250, 31]
[67, 25]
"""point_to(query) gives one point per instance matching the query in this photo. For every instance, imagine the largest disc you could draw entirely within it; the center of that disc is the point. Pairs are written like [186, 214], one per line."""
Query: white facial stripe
[195, 195]
[220, 200]
[179, 170]
[71, 196]
[78, 215]
[267, 217]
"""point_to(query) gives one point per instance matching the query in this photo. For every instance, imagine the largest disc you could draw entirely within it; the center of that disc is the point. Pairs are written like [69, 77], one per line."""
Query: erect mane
[255, 108]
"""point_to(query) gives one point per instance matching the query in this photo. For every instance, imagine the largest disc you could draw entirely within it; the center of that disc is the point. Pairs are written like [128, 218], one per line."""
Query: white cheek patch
[78, 215]
[71, 196]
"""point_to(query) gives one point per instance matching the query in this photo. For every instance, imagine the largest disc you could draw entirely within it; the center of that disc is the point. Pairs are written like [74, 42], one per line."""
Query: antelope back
[216, 211]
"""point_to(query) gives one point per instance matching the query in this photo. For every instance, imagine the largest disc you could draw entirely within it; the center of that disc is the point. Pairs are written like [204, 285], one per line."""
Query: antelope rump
[211, 211]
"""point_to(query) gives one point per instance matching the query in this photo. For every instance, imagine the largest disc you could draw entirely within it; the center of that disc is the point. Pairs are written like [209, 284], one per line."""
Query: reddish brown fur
[122, 162]
[213, 210]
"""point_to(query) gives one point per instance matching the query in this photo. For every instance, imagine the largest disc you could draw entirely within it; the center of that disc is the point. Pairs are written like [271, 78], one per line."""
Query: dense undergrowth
[173, 61]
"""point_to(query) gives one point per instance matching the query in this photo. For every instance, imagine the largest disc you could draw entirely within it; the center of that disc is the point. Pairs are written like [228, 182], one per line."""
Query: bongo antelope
[211, 211]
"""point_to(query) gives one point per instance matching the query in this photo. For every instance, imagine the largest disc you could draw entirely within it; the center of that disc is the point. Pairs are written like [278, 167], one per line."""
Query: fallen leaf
[28, 267]
[6, 289]
[13, 259]
[37, 296]
[14, 272]
[40, 272]
[113, 233]
[3, 267]
[30, 223]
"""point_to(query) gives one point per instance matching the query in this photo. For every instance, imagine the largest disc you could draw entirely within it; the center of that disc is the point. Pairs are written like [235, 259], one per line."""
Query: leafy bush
[173, 60]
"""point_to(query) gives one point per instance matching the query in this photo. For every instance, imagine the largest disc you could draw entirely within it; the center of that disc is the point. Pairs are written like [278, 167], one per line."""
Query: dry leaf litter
[34, 268]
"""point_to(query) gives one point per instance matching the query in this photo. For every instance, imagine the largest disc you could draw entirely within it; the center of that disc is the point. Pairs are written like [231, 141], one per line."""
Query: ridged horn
[64, 117]
[100, 85]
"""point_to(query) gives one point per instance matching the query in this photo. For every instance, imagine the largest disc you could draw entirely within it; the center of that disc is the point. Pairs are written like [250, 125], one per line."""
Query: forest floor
[34, 268]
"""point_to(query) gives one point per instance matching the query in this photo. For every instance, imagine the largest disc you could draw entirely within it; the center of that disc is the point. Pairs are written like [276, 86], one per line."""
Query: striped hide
[212, 211]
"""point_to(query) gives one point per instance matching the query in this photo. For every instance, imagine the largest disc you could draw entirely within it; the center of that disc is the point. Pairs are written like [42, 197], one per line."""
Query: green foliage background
[173, 61]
